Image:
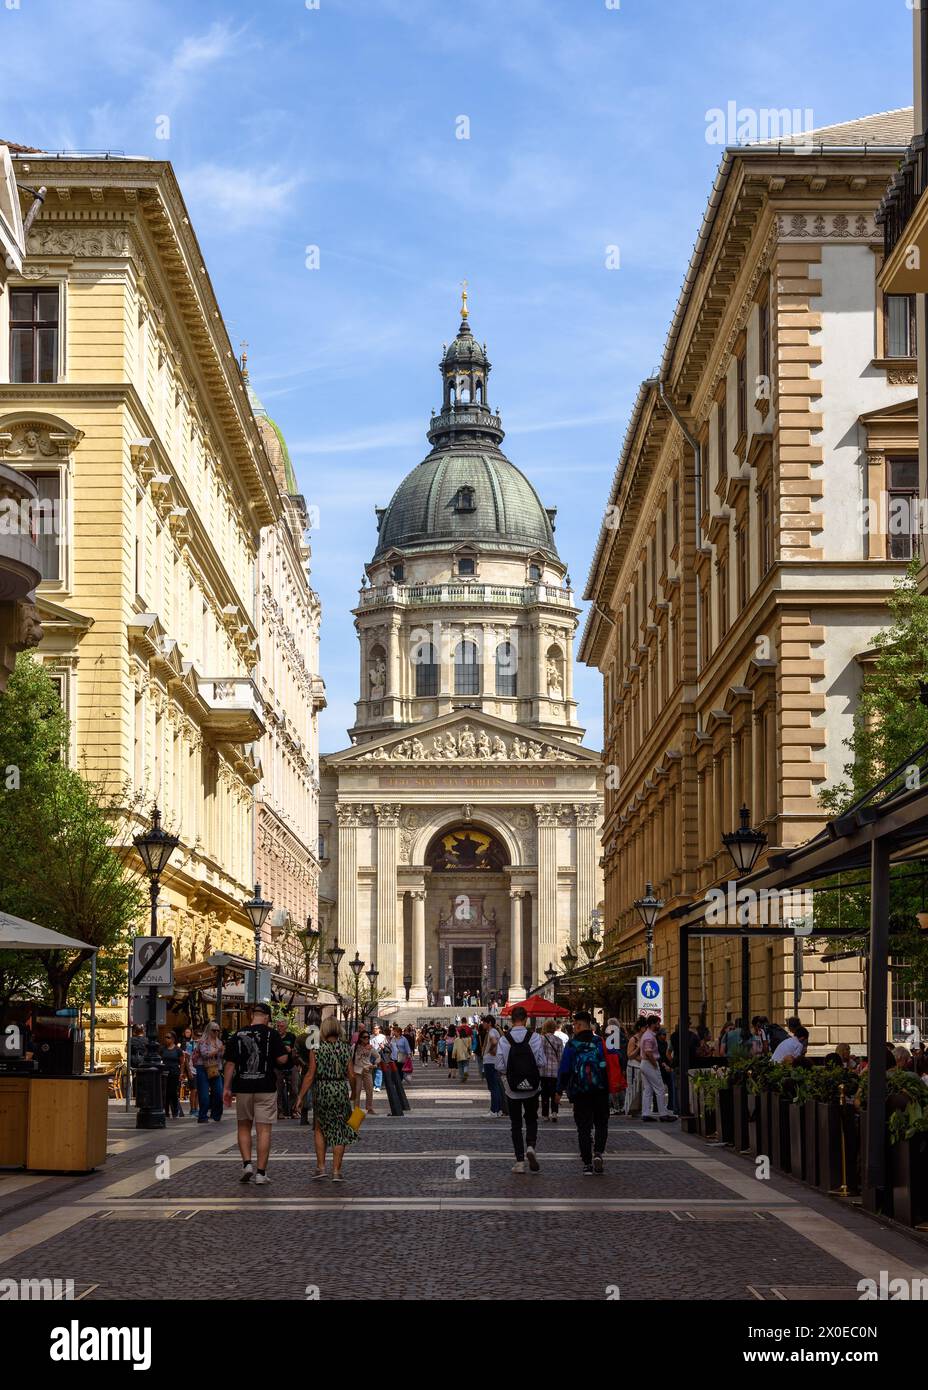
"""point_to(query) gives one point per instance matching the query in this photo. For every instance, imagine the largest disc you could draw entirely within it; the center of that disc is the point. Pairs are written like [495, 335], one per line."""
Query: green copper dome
[466, 490]
[460, 496]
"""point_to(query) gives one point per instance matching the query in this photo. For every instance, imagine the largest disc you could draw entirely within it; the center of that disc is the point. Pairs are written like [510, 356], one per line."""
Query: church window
[398, 573]
[464, 500]
[467, 565]
[466, 669]
[507, 675]
[534, 573]
[426, 669]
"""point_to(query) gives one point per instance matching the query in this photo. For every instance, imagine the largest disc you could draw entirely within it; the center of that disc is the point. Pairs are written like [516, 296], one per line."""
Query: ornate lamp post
[550, 977]
[407, 985]
[357, 965]
[258, 909]
[744, 846]
[155, 848]
[569, 959]
[649, 909]
[372, 981]
[335, 954]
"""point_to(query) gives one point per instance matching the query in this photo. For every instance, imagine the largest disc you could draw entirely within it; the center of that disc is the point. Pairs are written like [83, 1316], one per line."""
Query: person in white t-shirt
[792, 1048]
[377, 1042]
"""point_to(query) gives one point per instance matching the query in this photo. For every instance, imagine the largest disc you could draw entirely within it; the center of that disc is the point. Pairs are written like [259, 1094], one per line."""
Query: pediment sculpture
[468, 745]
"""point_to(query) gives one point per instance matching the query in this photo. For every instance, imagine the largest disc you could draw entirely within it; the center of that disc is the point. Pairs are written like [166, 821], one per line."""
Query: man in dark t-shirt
[253, 1058]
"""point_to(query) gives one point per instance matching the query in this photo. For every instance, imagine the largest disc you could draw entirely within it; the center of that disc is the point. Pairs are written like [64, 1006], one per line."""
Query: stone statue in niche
[378, 678]
[554, 678]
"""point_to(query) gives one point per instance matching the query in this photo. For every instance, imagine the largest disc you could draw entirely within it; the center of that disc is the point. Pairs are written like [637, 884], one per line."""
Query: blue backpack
[587, 1069]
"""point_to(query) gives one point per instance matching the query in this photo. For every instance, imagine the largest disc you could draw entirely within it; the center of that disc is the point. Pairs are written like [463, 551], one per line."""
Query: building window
[48, 522]
[426, 669]
[467, 566]
[534, 573]
[507, 669]
[464, 500]
[766, 529]
[743, 560]
[676, 512]
[742, 396]
[763, 346]
[899, 310]
[723, 597]
[704, 478]
[902, 511]
[705, 616]
[398, 574]
[33, 335]
[466, 669]
[723, 435]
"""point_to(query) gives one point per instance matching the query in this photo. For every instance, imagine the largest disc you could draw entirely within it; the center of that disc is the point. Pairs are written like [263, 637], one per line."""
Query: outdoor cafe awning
[16, 934]
[203, 975]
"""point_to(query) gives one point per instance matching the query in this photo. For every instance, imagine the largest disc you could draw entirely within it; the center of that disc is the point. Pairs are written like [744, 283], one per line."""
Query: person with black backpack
[584, 1076]
[519, 1059]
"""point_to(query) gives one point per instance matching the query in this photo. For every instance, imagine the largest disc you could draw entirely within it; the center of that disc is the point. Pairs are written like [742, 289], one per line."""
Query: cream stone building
[122, 402]
[292, 693]
[460, 829]
[747, 553]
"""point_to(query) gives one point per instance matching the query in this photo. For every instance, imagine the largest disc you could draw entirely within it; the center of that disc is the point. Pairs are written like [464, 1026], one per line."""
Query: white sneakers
[261, 1178]
[532, 1160]
[518, 1167]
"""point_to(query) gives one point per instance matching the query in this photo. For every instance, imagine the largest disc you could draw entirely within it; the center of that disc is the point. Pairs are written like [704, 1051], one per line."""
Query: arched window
[464, 500]
[507, 681]
[423, 658]
[466, 669]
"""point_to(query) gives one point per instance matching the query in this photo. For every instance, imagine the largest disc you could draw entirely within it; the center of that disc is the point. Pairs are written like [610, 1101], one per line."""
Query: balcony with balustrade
[456, 593]
[903, 215]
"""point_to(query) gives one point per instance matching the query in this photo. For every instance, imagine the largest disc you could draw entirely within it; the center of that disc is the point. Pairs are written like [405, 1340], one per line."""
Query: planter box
[754, 1123]
[725, 1114]
[797, 1141]
[833, 1120]
[859, 1182]
[741, 1137]
[809, 1110]
[909, 1175]
[779, 1132]
[762, 1125]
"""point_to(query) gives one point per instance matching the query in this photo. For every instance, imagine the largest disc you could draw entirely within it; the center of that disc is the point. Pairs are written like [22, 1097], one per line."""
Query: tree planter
[755, 1123]
[779, 1132]
[762, 1124]
[809, 1110]
[797, 1141]
[725, 1114]
[741, 1138]
[859, 1180]
[909, 1169]
[831, 1118]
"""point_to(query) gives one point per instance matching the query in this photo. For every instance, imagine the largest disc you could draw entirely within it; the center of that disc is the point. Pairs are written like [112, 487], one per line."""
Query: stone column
[586, 866]
[546, 924]
[348, 821]
[516, 987]
[418, 993]
[388, 820]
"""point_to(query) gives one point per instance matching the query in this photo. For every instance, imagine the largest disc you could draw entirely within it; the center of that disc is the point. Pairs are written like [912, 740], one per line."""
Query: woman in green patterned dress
[331, 1076]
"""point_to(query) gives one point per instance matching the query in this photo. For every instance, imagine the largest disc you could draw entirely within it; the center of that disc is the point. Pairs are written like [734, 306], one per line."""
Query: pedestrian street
[430, 1192]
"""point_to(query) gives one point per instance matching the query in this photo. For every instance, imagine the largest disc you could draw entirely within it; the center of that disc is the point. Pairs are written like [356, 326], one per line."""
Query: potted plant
[778, 1079]
[741, 1129]
[759, 1103]
[709, 1084]
[908, 1133]
[837, 1141]
[798, 1088]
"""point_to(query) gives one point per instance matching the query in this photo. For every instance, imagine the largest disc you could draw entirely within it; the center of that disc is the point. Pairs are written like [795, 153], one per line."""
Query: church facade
[459, 832]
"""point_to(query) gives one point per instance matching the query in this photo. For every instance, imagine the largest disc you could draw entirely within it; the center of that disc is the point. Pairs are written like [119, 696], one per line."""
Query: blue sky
[335, 127]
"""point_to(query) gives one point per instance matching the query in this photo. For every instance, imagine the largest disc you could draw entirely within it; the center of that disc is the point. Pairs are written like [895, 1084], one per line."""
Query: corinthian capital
[347, 813]
[387, 812]
[547, 813]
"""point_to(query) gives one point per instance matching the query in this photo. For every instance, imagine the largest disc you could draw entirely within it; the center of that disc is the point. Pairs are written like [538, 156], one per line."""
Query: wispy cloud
[238, 197]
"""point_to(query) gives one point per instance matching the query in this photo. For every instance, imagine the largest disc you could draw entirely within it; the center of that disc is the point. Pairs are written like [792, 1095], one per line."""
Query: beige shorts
[256, 1107]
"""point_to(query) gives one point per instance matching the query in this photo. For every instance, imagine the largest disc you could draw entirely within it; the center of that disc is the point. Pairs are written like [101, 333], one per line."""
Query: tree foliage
[890, 725]
[60, 864]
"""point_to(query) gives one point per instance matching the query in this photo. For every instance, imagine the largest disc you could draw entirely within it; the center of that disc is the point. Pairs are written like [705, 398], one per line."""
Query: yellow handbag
[356, 1119]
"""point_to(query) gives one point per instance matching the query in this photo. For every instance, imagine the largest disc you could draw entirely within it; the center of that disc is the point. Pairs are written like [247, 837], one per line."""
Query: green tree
[60, 864]
[890, 725]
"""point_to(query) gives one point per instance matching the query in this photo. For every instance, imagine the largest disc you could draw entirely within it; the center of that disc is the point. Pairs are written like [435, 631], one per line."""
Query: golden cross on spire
[463, 299]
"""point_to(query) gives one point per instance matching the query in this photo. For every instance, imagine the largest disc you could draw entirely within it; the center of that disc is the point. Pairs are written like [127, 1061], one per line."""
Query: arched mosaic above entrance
[465, 849]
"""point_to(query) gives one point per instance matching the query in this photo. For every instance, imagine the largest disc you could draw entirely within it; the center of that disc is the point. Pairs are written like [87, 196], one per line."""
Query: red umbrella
[536, 1007]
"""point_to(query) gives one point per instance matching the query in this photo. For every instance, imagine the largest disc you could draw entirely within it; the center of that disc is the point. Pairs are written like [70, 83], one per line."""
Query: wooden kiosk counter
[53, 1124]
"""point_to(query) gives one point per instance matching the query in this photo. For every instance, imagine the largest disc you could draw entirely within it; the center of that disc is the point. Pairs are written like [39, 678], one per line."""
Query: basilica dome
[466, 489]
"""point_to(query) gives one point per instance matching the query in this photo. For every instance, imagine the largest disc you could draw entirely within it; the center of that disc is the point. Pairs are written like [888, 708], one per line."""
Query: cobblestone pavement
[672, 1216]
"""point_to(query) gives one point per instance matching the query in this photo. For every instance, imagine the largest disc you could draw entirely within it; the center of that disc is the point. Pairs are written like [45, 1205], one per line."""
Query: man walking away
[253, 1057]
[652, 1083]
[489, 1046]
[554, 1050]
[519, 1059]
[584, 1076]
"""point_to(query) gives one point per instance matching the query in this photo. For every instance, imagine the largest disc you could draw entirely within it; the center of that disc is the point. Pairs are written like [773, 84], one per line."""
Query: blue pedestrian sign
[651, 995]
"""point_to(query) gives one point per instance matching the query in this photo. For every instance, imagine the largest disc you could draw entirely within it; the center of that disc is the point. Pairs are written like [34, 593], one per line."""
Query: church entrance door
[467, 964]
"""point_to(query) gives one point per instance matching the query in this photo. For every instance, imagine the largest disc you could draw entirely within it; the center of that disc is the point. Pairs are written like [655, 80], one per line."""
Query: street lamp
[590, 943]
[568, 959]
[357, 965]
[258, 909]
[407, 985]
[649, 909]
[744, 846]
[335, 954]
[155, 848]
[372, 981]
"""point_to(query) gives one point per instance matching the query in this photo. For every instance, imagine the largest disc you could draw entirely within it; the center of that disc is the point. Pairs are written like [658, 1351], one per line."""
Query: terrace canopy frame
[887, 825]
